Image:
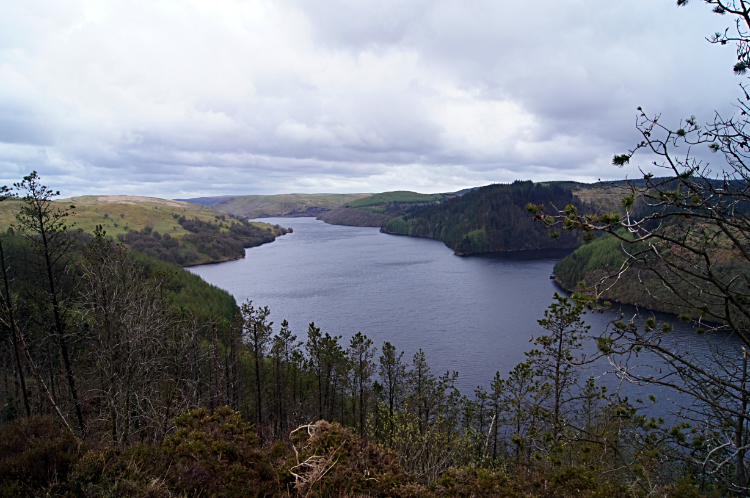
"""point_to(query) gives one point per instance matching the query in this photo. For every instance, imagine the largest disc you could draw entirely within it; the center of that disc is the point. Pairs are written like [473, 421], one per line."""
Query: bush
[35, 453]
[331, 461]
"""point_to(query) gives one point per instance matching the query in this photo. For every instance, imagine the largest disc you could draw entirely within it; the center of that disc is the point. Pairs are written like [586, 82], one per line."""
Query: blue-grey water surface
[476, 315]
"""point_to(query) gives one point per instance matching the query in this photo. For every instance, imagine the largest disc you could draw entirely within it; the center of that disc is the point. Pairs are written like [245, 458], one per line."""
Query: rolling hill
[178, 232]
[290, 205]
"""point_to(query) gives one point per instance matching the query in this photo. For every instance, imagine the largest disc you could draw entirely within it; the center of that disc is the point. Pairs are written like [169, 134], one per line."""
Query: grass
[400, 196]
[257, 206]
[119, 214]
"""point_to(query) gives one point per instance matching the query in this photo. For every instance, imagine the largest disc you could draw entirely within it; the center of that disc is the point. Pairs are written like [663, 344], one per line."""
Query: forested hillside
[489, 219]
[377, 209]
[215, 241]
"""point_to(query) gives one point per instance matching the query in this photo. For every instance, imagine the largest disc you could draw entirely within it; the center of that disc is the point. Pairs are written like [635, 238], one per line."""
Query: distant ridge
[206, 201]
[279, 205]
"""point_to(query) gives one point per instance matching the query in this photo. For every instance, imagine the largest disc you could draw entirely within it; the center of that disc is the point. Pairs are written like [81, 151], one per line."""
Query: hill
[178, 232]
[376, 210]
[266, 206]
[489, 219]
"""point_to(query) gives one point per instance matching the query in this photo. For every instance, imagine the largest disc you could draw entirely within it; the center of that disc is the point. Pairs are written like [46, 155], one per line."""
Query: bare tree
[685, 232]
[141, 354]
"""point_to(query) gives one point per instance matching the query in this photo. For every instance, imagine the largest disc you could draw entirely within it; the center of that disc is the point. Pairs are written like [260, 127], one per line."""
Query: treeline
[208, 242]
[489, 219]
[354, 217]
[378, 209]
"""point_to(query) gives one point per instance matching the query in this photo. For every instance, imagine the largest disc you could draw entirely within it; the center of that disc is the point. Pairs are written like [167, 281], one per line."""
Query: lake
[476, 315]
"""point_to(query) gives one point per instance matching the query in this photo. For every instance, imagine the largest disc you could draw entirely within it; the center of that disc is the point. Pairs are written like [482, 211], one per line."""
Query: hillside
[489, 219]
[377, 209]
[178, 232]
[599, 262]
[266, 206]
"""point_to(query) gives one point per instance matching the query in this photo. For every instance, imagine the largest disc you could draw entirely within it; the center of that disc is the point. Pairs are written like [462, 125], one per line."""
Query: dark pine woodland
[490, 219]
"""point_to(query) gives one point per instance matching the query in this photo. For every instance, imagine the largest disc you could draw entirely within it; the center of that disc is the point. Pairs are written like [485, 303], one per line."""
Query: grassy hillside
[261, 206]
[119, 214]
[174, 231]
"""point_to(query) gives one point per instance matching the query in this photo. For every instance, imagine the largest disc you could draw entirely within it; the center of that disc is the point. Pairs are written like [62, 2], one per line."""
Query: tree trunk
[9, 309]
[60, 330]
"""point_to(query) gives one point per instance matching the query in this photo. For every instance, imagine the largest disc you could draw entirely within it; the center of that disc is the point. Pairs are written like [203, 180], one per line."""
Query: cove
[476, 315]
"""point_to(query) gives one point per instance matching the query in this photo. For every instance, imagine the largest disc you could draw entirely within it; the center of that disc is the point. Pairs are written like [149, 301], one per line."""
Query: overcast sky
[187, 98]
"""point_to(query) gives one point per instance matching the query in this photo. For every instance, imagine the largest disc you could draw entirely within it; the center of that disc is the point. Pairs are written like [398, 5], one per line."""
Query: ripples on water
[476, 315]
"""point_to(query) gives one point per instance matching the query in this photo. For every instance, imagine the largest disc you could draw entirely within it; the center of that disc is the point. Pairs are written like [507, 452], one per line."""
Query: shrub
[35, 452]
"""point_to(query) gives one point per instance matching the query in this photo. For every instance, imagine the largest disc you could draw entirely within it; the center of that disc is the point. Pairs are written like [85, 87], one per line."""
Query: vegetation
[113, 385]
[167, 386]
[378, 209]
[354, 217]
[685, 236]
[398, 197]
[176, 232]
[265, 206]
[489, 219]
[207, 241]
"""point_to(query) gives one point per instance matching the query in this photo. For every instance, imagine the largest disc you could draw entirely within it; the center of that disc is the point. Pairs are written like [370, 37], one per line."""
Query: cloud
[192, 98]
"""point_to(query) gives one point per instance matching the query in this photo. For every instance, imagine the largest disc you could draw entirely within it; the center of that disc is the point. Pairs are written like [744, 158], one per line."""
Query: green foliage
[189, 292]
[399, 226]
[603, 253]
[398, 196]
[475, 242]
[490, 219]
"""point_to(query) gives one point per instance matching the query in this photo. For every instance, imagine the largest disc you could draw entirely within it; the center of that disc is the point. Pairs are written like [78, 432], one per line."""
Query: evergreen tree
[43, 223]
[361, 353]
[257, 336]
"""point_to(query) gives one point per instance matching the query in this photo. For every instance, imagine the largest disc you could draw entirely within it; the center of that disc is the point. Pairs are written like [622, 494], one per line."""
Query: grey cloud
[181, 99]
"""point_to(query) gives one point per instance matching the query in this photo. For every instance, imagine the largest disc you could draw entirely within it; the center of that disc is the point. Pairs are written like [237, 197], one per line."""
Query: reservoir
[475, 315]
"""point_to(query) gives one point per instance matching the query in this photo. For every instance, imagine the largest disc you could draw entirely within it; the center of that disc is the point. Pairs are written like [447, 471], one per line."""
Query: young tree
[257, 336]
[558, 363]
[9, 319]
[284, 346]
[498, 407]
[361, 353]
[422, 390]
[43, 223]
[520, 390]
[326, 358]
[392, 371]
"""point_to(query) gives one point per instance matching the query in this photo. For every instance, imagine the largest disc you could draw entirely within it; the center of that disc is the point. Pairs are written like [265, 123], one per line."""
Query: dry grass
[119, 213]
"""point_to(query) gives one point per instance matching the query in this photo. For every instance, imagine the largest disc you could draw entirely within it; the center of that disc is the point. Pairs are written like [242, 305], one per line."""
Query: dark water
[476, 315]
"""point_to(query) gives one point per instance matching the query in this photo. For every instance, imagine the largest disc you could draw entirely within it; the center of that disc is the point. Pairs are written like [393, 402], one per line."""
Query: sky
[189, 98]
